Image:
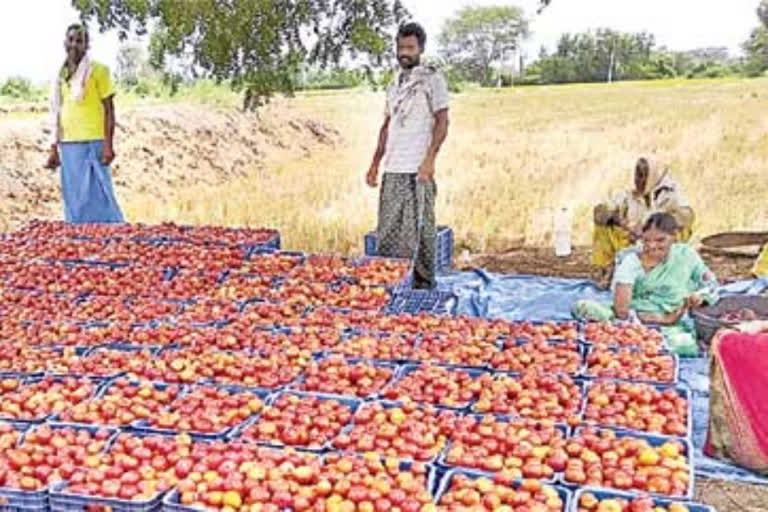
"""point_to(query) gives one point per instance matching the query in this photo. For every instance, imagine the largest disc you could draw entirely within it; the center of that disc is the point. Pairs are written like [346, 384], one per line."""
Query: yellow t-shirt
[84, 120]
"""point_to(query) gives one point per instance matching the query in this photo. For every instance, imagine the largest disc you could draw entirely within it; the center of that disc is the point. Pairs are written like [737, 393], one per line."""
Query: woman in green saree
[657, 284]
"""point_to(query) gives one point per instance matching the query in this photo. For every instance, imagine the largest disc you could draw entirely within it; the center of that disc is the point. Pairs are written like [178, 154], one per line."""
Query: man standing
[82, 129]
[415, 126]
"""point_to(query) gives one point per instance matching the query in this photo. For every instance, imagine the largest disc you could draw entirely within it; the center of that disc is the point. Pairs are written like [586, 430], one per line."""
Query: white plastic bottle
[562, 230]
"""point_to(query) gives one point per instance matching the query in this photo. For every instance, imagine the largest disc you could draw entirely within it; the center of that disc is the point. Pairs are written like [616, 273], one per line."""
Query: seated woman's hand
[694, 300]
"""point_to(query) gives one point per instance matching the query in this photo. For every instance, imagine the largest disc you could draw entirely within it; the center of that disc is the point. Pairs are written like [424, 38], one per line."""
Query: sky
[31, 31]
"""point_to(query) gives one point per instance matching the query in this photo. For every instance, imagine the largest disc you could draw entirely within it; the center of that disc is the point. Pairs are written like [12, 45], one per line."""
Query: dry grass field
[511, 157]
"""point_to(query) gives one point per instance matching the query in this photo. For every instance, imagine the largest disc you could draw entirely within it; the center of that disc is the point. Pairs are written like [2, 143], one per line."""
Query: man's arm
[439, 133]
[109, 130]
[381, 148]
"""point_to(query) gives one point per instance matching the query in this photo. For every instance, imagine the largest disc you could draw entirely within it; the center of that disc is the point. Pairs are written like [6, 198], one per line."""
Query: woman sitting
[657, 283]
[760, 270]
[618, 222]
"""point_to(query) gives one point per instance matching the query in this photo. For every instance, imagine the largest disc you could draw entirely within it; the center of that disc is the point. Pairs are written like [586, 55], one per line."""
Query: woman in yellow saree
[619, 221]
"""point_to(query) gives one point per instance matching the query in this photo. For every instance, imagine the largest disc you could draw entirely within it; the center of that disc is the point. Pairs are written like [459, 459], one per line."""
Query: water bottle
[562, 232]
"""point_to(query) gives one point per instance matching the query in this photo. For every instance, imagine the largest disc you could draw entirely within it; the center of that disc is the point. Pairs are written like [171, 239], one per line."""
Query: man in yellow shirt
[82, 131]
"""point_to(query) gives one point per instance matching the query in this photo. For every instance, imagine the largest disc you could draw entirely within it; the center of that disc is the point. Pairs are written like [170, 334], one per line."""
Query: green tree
[756, 47]
[17, 88]
[478, 38]
[258, 46]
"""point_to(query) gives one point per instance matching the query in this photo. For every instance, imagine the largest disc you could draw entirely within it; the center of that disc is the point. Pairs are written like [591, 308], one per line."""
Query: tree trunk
[610, 65]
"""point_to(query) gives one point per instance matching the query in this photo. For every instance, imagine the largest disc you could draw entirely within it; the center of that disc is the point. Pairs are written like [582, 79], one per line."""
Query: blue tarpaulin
[535, 298]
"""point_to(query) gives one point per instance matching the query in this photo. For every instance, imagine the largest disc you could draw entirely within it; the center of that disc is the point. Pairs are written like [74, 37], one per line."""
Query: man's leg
[73, 157]
[424, 270]
[396, 231]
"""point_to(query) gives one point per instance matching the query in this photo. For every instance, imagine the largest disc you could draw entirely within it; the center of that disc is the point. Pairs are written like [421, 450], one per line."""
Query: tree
[603, 55]
[756, 47]
[478, 38]
[129, 63]
[258, 46]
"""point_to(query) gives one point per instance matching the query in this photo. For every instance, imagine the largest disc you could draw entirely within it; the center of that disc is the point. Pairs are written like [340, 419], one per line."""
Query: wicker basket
[707, 319]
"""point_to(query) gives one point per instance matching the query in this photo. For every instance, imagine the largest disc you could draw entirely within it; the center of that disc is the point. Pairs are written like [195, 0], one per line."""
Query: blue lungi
[86, 184]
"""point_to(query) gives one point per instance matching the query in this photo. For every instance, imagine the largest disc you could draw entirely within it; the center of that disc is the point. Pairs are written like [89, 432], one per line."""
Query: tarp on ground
[534, 298]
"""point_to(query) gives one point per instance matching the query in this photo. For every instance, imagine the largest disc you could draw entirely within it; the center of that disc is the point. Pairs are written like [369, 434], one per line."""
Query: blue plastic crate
[438, 302]
[675, 358]
[443, 247]
[15, 500]
[102, 391]
[171, 503]
[583, 336]
[499, 375]
[390, 404]
[97, 382]
[353, 361]
[352, 403]
[445, 478]
[682, 390]
[19, 426]
[507, 343]
[441, 460]
[298, 255]
[602, 494]
[408, 369]
[353, 333]
[92, 429]
[144, 427]
[655, 441]
[61, 501]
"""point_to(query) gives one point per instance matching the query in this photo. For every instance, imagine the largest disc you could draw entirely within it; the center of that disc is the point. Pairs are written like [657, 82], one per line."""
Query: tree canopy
[257, 45]
[478, 38]
[756, 47]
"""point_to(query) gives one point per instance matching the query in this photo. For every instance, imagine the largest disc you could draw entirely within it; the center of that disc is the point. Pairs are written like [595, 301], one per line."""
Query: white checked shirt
[411, 104]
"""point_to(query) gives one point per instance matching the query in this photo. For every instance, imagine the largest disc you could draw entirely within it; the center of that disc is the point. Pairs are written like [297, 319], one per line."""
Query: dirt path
[539, 261]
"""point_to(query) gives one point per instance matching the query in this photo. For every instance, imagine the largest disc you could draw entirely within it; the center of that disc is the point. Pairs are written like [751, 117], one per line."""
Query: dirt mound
[160, 149]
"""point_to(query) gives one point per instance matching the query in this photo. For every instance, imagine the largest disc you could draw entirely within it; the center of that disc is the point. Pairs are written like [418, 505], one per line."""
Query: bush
[18, 88]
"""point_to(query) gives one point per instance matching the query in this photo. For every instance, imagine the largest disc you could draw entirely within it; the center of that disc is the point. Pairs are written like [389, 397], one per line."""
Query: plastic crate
[681, 389]
[352, 403]
[653, 440]
[92, 429]
[438, 302]
[353, 361]
[97, 382]
[675, 379]
[352, 333]
[61, 501]
[143, 427]
[407, 369]
[501, 419]
[443, 247]
[580, 383]
[602, 494]
[507, 343]
[446, 477]
[391, 404]
[15, 500]
[588, 342]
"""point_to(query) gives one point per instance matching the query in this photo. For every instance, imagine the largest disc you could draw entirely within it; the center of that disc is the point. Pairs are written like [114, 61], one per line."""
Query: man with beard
[415, 126]
[82, 129]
